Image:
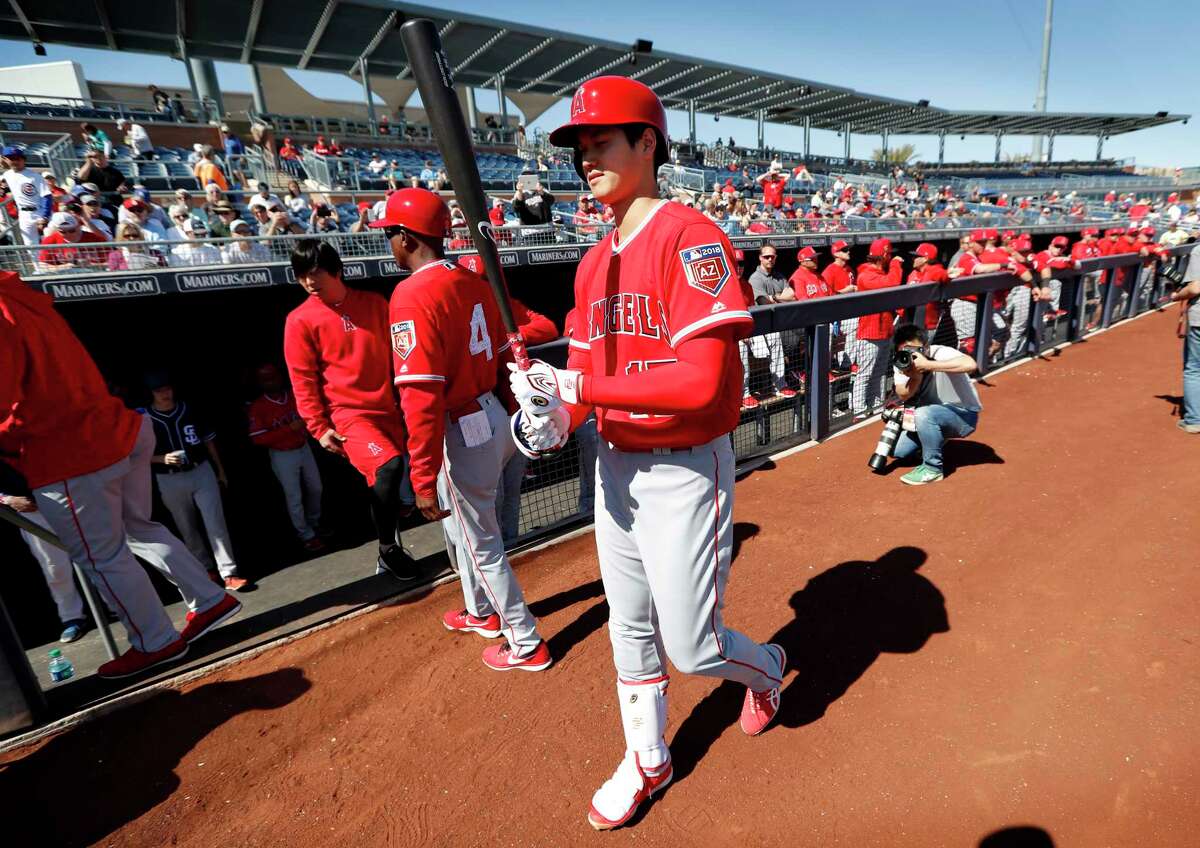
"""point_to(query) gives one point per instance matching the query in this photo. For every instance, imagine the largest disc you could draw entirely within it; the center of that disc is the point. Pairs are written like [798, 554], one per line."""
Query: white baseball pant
[767, 346]
[58, 570]
[103, 518]
[1018, 304]
[664, 535]
[467, 487]
[508, 496]
[193, 496]
[297, 473]
[27, 223]
[870, 380]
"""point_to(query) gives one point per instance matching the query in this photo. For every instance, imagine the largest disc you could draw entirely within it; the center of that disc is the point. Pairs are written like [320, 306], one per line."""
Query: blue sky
[1107, 57]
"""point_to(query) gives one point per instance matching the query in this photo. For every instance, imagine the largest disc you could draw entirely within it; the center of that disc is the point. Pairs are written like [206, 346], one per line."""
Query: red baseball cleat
[759, 708]
[749, 402]
[617, 800]
[199, 623]
[501, 658]
[786, 393]
[236, 584]
[134, 661]
[463, 622]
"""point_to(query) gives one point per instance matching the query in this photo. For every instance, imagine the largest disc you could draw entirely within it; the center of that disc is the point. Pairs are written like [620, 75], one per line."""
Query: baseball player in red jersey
[926, 269]
[805, 282]
[86, 459]
[447, 345]
[659, 312]
[881, 270]
[336, 347]
[840, 277]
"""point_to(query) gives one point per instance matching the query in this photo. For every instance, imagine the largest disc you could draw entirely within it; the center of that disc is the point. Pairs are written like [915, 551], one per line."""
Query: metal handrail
[120, 108]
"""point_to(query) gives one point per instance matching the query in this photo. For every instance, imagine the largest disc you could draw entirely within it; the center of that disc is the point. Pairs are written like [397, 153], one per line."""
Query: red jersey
[838, 276]
[57, 417]
[773, 190]
[447, 341]
[270, 422]
[1085, 250]
[808, 285]
[1043, 260]
[337, 357]
[72, 251]
[879, 326]
[930, 272]
[636, 302]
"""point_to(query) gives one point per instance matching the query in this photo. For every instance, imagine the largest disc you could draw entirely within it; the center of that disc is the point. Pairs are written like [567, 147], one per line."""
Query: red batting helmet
[418, 210]
[611, 101]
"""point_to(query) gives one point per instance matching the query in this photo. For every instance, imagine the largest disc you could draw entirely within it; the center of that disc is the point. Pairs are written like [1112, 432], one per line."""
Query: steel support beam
[322, 24]
[1100, 146]
[807, 135]
[389, 24]
[472, 112]
[999, 138]
[942, 147]
[24, 19]
[256, 90]
[884, 136]
[208, 90]
[251, 31]
[846, 139]
[762, 119]
[364, 71]
[1050, 147]
[503, 102]
[691, 104]
[102, 16]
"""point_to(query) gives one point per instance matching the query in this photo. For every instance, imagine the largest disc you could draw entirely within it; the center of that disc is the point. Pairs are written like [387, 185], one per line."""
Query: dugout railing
[813, 336]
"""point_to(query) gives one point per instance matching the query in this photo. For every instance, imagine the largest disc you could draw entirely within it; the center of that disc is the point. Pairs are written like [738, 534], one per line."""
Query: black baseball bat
[435, 81]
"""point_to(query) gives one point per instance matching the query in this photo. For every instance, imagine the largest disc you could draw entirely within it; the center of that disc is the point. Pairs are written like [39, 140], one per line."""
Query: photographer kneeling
[933, 381]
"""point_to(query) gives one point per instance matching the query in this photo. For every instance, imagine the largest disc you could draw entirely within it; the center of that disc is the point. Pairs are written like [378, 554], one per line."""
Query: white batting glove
[535, 435]
[543, 388]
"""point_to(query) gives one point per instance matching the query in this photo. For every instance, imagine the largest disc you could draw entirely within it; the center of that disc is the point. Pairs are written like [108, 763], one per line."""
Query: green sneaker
[921, 475]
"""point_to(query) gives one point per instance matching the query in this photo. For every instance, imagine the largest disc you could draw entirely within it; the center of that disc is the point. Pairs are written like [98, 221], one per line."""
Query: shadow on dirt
[85, 783]
[1022, 836]
[956, 454]
[845, 618]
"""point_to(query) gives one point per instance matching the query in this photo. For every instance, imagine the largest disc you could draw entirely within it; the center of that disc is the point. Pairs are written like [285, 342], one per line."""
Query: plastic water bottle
[60, 667]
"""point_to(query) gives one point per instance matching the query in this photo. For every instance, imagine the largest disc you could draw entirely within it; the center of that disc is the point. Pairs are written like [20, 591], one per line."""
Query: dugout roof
[331, 35]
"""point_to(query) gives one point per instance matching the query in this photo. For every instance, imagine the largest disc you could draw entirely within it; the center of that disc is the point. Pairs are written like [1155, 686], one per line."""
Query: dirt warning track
[1016, 645]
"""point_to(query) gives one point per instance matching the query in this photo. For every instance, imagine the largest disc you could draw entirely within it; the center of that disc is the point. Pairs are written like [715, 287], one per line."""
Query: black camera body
[902, 358]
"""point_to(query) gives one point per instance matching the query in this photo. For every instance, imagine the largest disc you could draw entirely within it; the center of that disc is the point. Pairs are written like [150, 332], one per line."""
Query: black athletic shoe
[396, 562]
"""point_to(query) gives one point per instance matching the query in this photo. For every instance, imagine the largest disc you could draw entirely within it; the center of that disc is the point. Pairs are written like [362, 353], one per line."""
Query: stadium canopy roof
[331, 35]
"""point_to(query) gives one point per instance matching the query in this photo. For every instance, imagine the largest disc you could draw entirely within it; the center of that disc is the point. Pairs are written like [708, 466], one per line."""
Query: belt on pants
[172, 469]
[470, 407]
[656, 451]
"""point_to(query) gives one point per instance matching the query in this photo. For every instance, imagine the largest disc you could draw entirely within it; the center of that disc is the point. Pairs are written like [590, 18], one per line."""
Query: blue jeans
[935, 424]
[1191, 376]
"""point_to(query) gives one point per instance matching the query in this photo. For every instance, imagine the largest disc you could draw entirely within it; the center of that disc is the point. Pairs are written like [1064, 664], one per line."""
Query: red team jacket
[57, 418]
[838, 277]
[338, 360]
[636, 302]
[269, 420]
[448, 346]
[931, 272]
[878, 327]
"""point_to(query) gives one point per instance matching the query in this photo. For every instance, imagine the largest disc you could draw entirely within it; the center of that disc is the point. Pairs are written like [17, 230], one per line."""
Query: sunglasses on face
[180, 217]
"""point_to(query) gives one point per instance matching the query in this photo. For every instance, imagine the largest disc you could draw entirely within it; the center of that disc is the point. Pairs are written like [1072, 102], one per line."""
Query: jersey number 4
[481, 342]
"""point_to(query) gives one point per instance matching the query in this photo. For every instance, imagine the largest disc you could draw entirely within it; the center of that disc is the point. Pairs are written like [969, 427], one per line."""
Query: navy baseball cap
[11, 151]
[156, 380]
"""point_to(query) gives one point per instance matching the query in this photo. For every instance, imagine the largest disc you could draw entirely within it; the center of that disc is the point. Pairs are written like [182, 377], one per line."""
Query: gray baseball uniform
[103, 518]
[58, 570]
[297, 473]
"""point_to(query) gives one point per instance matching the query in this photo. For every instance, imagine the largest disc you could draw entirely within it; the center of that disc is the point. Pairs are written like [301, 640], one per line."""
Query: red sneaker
[501, 658]
[786, 393]
[759, 708]
[314, 545]
[236, 584]
[749, 402]
[199, 623]
[463, 622]
[618, 799]
[134, 661]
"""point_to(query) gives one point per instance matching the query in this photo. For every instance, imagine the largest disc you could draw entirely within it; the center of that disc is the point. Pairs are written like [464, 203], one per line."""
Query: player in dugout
[336, 349]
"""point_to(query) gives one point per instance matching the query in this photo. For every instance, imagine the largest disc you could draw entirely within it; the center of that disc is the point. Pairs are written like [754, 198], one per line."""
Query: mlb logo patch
[705, 267]
[404, 338]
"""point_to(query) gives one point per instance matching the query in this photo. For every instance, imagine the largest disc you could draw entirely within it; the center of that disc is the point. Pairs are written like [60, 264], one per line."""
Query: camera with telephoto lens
[902, 358]
[1172, 274]
[893, 419]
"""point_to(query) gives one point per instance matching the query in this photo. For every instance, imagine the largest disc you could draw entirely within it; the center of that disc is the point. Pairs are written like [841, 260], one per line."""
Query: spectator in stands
[194, 157]
[137, 212]
[772, 183]
[109, 181]
[177, 109]
[243, 249]
[208, 171]
[220, 219]
[534, 207]
[429, 177]
[162, 103]
[179, 214]
[68, 232]
[377, 165]
[92, 217]
[137, 139]
[131, 257]
[364, 217]
[192, 252]
[320, 147]
[96, 139]
[294, 198]
[212, 196]
[265, 197]
[324, 220]
[938, 388]
[274, 221]
[1173, 236]
[289, 157]
[394, 175]
[522, 142]
[234, 152]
